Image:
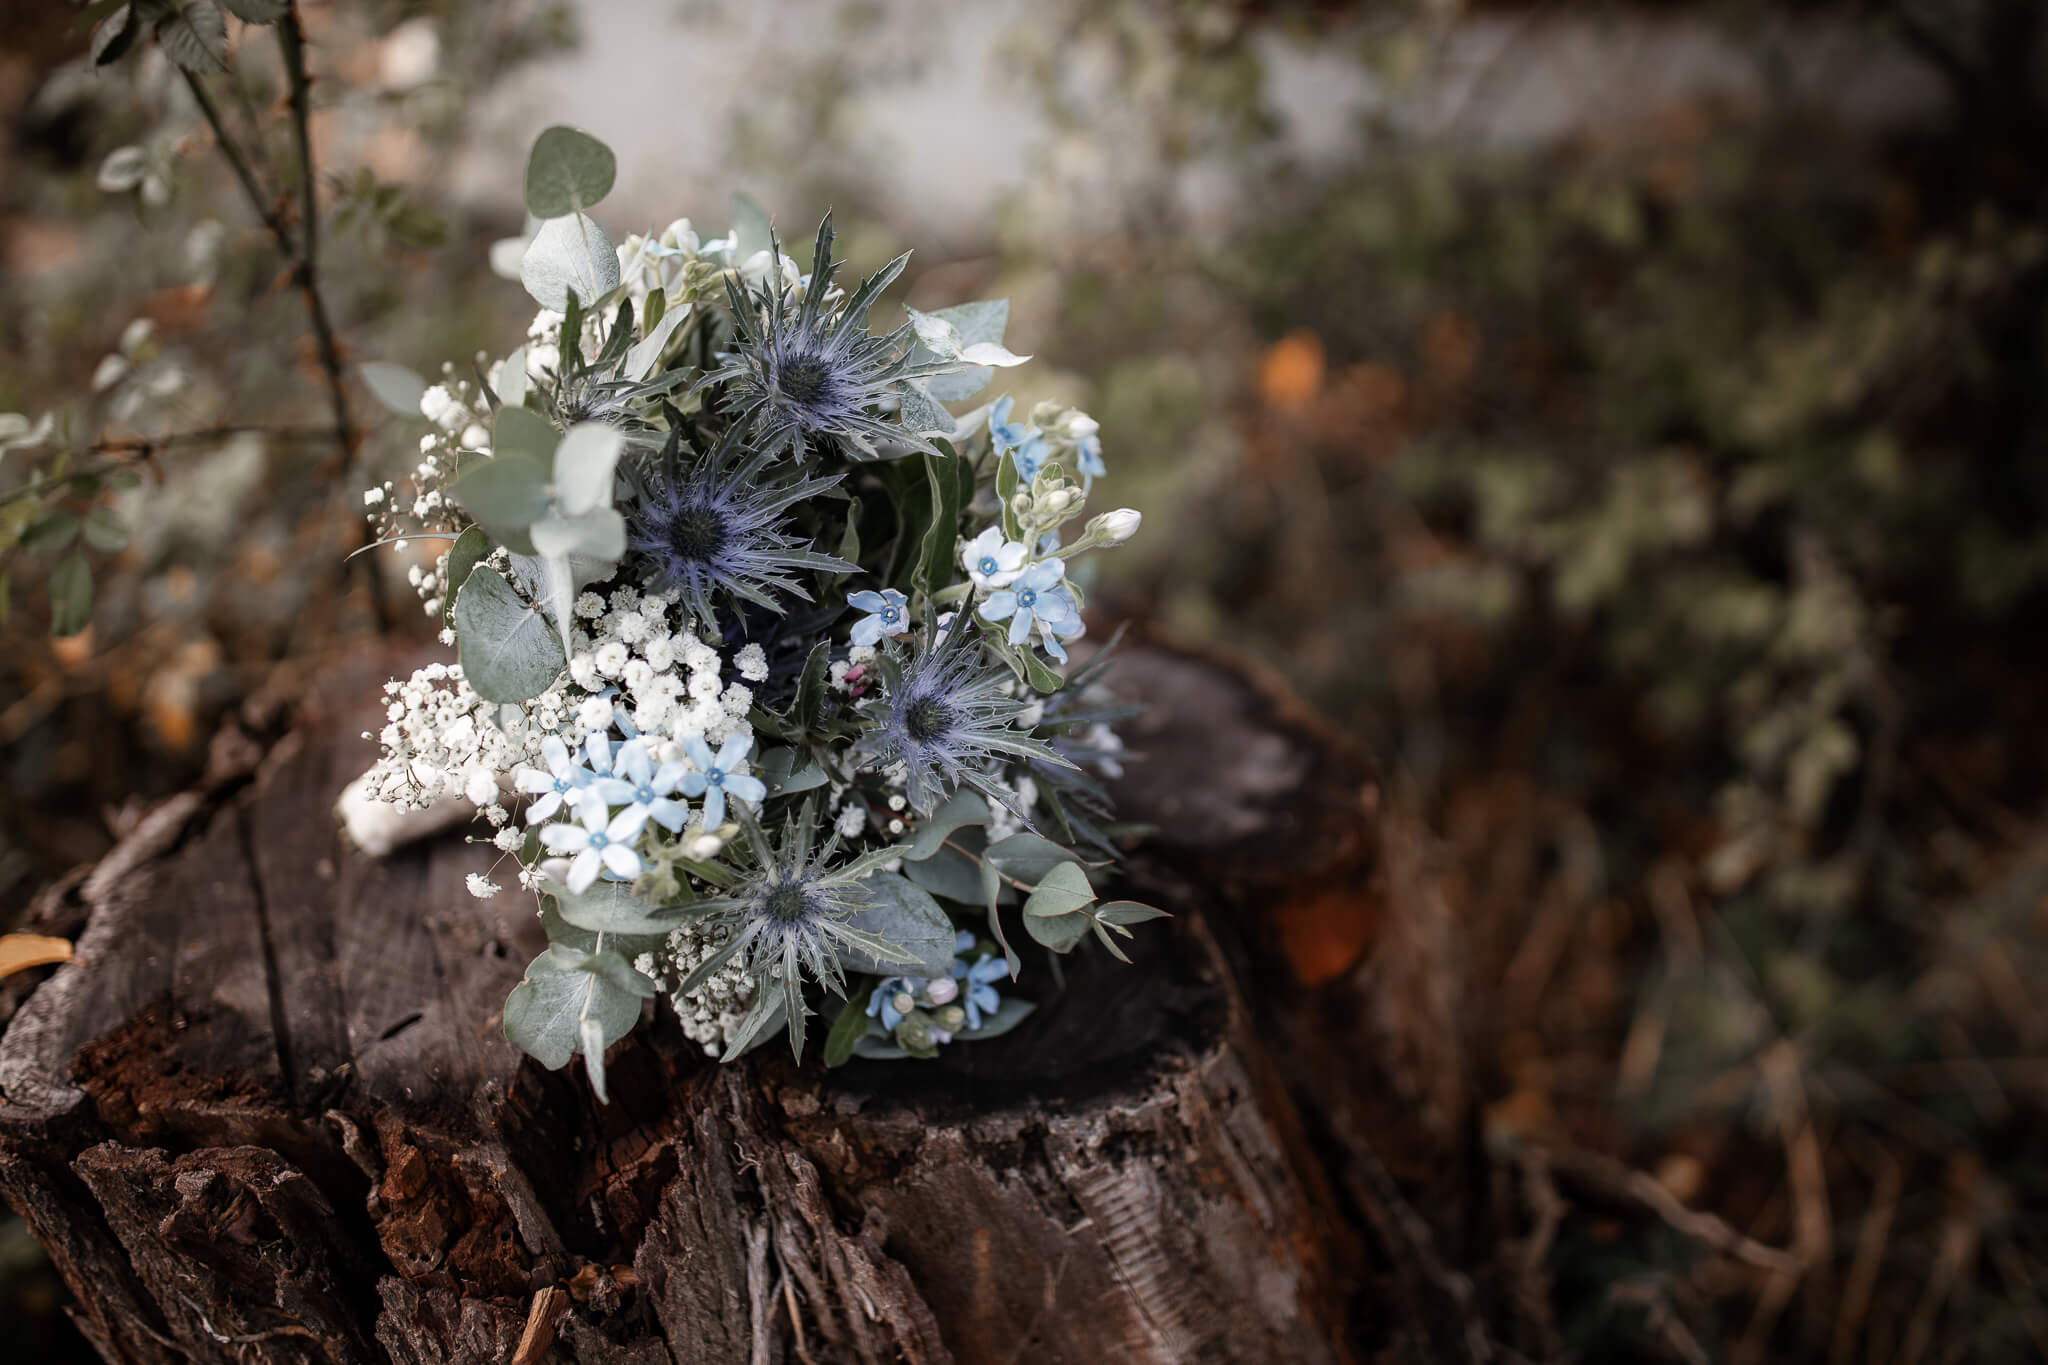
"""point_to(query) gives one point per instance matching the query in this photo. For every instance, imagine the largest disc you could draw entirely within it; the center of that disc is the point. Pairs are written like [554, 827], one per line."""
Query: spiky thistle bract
[812, 376]
[713, 526]
[943, 716]
[789, 920]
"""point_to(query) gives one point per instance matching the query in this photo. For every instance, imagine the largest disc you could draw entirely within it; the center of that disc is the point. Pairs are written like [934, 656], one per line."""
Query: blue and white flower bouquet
[763, 675]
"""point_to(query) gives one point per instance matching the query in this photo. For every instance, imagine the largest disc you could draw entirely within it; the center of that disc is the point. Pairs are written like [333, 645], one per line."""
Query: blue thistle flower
[789, 921]
[943, 716]
[798, 379]
[714, 526]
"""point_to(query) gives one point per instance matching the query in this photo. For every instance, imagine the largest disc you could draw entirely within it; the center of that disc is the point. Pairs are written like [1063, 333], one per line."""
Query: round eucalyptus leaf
[507, 650]
[567, 172]
[570, 255]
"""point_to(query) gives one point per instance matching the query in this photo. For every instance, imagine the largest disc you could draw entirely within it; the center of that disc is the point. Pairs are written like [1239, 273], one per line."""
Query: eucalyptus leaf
[1059, 933]
[935, 560]
[523, 432]
[115, 35]
[1063, 890]
[584, 462]
[70, 595]
[963, 807]
[1128, 912]
[506, 494]
[192, 34]
[572, 1001]
[950, 873]
[597, 534]
[640, 361]
[1027, 858]
[507, 651]
[612, 908]
[567, 172]
[906, 915]
[512, 381]
[464, 555]
[105, 531]
[569, 256]
[396, 387]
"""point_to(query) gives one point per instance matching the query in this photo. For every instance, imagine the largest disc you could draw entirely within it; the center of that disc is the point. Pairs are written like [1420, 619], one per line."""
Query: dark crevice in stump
[267, 1114]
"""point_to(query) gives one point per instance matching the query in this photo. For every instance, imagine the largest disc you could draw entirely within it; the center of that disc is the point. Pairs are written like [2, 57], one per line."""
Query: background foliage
[1659, 495]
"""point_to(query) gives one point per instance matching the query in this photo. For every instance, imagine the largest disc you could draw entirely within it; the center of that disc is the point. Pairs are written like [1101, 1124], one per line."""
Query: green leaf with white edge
[1128, 912]
[785, 771]
[464, 555]
[612, 908]
[906, 916]
[567, 172]
[512, 380]
[963, 807]
[70, 595]
[1027, 858]
[396, 387]
[1010, 1013]
[851, 1025]
[257, 11]
[1059, 933]
[105, 531]
[1063, 890]
[1006, 493]
[567, 256]
[507, 651]
[750, 227]
[506, 494]
[921, 414]
[192, 34]
[584, 462]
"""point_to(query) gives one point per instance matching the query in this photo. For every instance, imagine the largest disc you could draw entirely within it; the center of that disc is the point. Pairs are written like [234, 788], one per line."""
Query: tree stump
[267, 1113]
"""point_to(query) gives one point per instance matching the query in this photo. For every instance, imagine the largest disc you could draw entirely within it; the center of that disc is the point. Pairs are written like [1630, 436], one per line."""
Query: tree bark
[267, 1114]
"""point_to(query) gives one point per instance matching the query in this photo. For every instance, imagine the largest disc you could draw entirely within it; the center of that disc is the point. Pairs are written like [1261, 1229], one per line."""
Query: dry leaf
[18, 952]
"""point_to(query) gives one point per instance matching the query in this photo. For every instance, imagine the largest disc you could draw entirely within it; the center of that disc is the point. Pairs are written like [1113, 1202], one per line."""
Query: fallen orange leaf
[18, 952]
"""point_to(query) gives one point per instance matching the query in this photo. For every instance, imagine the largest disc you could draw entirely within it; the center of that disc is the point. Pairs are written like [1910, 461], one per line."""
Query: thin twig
[129, 450]
[292, 39]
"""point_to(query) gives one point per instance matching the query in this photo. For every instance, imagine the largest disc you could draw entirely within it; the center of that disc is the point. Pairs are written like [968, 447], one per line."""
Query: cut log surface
[267, 1112]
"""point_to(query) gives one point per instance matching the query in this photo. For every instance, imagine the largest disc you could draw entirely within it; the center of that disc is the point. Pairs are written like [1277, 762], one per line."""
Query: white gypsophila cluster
[665, 681]
[440, 741]
[712, 1013]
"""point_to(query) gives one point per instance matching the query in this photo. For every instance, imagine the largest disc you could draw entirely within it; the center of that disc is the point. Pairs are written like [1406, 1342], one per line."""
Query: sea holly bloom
[889, 615]
[804, 378]
[790, 919]
[641, 787]
[713, 527]
[1036, 596]
[943, 716]
[600, 842]
[564, 782]
[721, 774]
[992, 562]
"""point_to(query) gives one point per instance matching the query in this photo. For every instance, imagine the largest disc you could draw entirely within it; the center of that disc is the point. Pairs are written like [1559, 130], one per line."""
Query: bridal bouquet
[763, 679]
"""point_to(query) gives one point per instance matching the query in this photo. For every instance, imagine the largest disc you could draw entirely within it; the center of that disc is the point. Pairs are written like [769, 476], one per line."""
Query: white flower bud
[1114, 528]
[942, 990]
